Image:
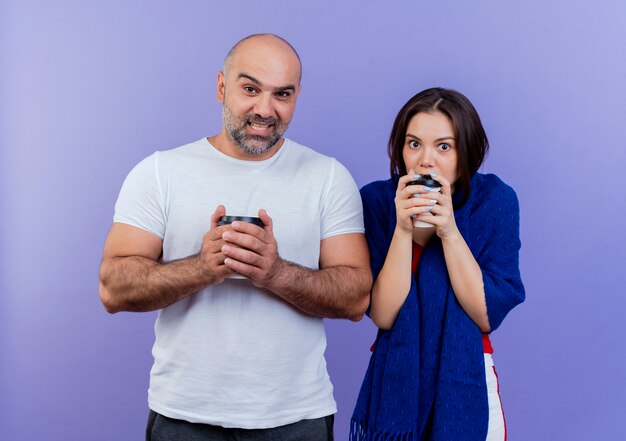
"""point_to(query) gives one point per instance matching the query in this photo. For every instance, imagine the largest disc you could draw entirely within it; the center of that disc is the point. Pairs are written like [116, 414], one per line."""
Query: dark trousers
[162, 428]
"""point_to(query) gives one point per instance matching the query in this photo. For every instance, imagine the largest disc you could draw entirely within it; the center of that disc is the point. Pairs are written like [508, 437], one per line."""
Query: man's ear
[220, 87]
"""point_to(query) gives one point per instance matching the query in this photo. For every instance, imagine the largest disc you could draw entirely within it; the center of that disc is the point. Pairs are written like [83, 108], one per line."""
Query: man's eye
[283, 94]
[249, 89]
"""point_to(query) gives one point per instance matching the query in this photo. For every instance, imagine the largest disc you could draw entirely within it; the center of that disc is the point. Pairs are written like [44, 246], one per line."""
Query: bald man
[239, 348]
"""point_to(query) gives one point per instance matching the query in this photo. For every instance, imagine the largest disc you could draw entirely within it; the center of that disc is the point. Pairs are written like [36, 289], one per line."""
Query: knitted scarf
[426, 376]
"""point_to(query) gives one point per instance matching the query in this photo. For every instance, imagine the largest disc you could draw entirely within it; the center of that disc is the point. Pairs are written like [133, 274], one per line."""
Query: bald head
[269, 45]
[258, 89]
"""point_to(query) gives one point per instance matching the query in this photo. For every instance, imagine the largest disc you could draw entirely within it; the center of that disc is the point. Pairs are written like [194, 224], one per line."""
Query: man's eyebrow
[289, 87]
[250, 77]
[258, 83]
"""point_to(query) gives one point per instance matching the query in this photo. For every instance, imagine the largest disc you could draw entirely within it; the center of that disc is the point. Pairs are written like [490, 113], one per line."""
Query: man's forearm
[334, 292]
[138, 284]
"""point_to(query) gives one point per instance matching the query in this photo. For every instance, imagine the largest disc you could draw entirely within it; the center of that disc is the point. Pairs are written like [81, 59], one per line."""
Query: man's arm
[132, 279]
[339, 289]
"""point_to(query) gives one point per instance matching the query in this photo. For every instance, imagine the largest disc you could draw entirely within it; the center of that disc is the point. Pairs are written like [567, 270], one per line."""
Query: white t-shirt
[235, 355]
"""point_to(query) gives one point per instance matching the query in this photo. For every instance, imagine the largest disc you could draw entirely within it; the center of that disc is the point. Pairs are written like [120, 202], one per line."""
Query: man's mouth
[260, 128]
[257, 126]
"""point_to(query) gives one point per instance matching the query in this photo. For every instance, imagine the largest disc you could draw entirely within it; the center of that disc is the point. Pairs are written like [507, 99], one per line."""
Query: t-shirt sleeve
[342, 212]
[140, 202]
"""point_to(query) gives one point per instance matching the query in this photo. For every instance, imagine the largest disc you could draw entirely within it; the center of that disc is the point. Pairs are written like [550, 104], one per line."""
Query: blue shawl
[426, 376]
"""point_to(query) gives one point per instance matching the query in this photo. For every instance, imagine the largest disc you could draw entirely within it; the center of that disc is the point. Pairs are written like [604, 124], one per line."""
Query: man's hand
[132, 279]
[339, 289]
[252, 251]
[211, 256]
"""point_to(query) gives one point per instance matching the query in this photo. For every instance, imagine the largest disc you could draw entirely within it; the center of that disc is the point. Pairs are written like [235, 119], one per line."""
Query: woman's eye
[414, 144]
[445, 147]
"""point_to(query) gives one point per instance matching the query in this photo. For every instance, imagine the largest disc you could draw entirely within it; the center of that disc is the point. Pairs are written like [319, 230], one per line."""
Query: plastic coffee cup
[428, 181]
[227, 220]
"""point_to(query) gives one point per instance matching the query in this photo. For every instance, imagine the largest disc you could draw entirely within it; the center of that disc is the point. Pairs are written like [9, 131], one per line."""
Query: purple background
[90, 88]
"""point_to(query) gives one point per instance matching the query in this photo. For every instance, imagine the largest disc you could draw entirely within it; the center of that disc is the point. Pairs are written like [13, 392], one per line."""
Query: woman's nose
[427, 157]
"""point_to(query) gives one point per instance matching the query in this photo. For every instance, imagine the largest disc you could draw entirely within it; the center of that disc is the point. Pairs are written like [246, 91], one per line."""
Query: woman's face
[430, 146]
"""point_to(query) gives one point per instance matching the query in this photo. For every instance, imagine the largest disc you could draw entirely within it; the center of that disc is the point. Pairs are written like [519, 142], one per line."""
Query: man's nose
[263, 106]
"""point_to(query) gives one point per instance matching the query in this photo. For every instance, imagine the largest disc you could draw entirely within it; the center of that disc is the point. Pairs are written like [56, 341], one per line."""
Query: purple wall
[89, 88]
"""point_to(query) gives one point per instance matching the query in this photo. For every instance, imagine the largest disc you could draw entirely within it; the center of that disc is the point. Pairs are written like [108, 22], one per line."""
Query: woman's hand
[408, 206]
[465, 274]
[439, 208]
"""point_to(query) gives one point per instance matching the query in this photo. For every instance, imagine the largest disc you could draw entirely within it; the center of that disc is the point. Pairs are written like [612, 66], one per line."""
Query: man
[233, 358]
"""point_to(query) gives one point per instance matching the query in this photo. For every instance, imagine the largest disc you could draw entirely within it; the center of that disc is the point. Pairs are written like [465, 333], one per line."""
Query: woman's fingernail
[427, 188]
[417, 176]
[432, 201]
[417, 195]
[434, 175]
[414, 216]
[429, 207]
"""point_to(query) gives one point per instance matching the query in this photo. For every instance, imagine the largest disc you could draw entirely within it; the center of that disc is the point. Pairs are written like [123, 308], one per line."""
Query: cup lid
[426, 180]
[225, 220]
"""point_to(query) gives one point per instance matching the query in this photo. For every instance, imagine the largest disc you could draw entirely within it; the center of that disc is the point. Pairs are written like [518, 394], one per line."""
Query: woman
[437, 291]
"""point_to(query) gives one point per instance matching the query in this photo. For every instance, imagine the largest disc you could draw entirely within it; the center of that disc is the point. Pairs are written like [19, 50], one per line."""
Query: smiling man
[256, 115]
[239, 348]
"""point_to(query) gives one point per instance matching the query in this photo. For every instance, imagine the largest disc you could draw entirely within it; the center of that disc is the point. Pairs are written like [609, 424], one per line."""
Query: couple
[243, 358]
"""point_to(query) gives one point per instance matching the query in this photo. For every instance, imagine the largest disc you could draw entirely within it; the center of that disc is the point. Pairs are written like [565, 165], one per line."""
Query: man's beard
[252, 144]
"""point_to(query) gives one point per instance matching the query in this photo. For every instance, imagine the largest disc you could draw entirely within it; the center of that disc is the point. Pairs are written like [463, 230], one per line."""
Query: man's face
[253, 133]
[259, 92]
